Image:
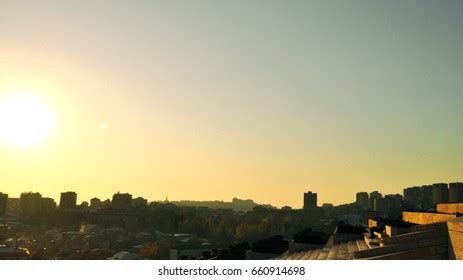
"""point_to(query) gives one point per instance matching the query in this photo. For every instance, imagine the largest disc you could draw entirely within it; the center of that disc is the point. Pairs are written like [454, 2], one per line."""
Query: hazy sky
[253, 99]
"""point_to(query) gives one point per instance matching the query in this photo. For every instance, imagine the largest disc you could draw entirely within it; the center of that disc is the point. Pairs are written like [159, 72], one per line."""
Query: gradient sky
[208, 100]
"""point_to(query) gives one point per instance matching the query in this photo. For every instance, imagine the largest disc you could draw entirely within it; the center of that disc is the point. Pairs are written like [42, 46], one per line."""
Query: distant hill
[236, 204]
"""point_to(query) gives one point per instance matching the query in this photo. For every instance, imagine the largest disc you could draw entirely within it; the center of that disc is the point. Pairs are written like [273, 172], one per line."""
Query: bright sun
[25, 121]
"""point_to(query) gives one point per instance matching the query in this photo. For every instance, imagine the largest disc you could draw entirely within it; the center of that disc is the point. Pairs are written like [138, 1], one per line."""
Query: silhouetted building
[30, 204]
[426, 192]
[68, 200]
[426, 198]
[455, 192]
[121, 201]
[83, 205]
[440, 193]
[12, 206]
[374, 195]
[95, 203]
[394, 200]
[419, 198]
[3, 201]
[310, 200]
[106, 203]
[48, 205]
[389, 206]
[362, 200]
[412, 198]
[380, 206]
[139, 202]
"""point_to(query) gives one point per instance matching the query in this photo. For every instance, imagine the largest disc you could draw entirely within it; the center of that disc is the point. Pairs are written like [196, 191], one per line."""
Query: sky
[210, 100]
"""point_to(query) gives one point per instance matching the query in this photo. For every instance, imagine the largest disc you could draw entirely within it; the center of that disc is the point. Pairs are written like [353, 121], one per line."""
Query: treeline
[244, 205]
[249, 226]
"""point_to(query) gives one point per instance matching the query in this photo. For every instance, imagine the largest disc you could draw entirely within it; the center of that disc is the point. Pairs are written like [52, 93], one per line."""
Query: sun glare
[25, 121]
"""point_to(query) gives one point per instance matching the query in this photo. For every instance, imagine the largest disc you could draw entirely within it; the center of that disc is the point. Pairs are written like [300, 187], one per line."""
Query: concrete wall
[455, 229]
[427, 253]
[429, 245]
[441, 226]
[450, 208]
[346, 237]
[294, 247]
[393, 231]
[423, 218]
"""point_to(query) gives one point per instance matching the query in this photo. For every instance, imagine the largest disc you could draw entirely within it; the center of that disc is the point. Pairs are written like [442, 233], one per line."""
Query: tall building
[440, 193]
[68, 200]
[121, 201]
[12, 206]
[421, 198]
[389, 206]
[362, 199]
[426, 192]
[380, 206]
[48, 205]
[394, 202]
[412, 198]
[3, 202]
[455, 192]
[30, 205]
[374, 195]
[310, 200]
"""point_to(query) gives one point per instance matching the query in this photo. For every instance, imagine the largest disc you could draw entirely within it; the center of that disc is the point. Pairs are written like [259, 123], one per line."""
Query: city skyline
[230, 99]
[454, 194]
[421, 224]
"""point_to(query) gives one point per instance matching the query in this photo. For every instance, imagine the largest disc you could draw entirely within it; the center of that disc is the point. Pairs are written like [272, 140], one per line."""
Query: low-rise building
[139, 202]
[121, 201]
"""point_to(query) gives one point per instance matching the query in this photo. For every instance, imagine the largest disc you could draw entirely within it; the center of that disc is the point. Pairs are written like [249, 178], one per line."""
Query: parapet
[450, 208]
[424, 218]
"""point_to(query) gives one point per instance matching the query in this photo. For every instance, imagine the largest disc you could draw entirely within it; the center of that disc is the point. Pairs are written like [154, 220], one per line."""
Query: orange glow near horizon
[185, 101]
